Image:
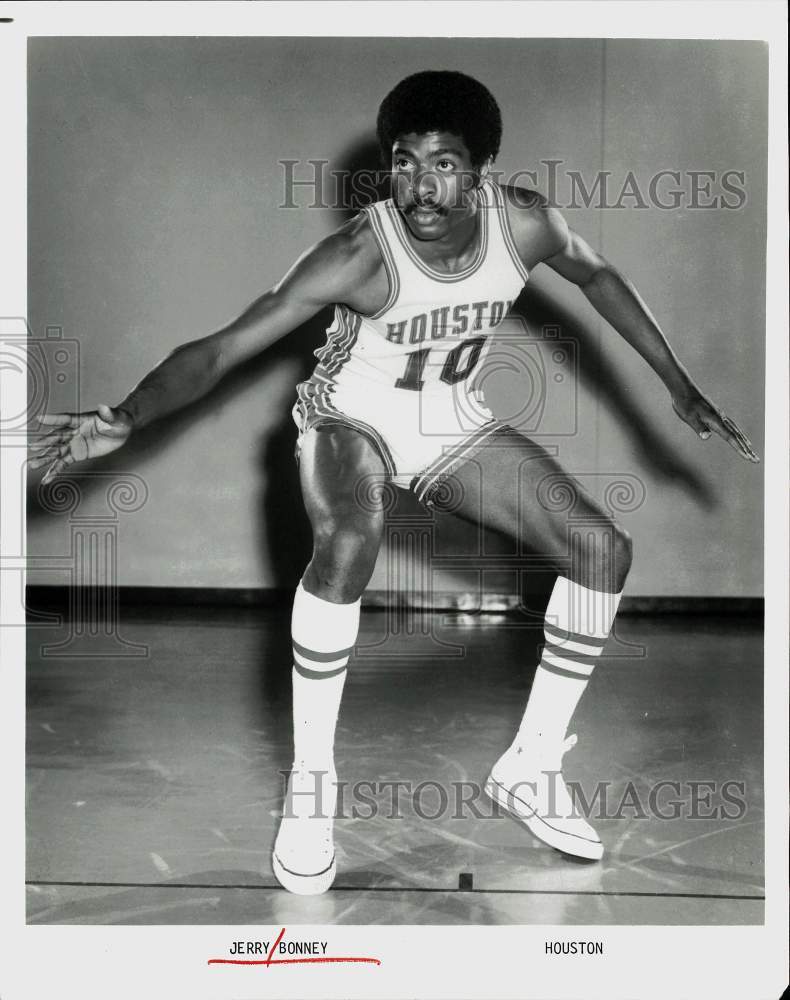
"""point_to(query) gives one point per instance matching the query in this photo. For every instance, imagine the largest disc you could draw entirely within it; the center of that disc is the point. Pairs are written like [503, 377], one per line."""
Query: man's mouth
[423, 216]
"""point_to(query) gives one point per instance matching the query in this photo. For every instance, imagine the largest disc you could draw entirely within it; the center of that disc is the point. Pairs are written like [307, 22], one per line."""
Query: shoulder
[351, 249]
[342, 261]
[539, 229]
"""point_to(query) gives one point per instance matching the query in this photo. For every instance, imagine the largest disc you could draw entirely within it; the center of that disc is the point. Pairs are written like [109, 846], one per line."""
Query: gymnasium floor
[153, 785]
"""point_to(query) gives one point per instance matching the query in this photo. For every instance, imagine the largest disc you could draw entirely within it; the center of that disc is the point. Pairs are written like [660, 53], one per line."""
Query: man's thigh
[514, 486]
[342, 477]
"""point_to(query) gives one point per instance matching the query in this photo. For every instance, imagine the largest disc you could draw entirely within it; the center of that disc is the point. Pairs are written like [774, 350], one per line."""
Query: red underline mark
[279, 939]
[289, 961]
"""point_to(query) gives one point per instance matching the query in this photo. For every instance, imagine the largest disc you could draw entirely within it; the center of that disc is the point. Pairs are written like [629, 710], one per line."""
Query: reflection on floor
[153, 784]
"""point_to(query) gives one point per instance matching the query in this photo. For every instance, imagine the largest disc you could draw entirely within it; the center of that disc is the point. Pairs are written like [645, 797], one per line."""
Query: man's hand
[703, 417]
[79, 436]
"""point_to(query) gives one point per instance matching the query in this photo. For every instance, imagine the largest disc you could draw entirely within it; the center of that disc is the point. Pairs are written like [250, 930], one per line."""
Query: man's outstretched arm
[616, 299]
[192, 370]
[327, 273]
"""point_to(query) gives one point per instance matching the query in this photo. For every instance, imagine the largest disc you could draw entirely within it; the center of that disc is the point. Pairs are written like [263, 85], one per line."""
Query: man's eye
[445, 165]
[401, 163]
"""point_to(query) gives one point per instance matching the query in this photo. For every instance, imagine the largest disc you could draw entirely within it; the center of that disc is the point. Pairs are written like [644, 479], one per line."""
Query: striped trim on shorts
[427, 483]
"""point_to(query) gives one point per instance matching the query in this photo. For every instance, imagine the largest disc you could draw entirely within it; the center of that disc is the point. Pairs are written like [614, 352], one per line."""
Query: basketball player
[419, 283]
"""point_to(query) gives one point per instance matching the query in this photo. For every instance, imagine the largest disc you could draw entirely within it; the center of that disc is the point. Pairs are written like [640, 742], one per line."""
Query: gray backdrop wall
[155, 193]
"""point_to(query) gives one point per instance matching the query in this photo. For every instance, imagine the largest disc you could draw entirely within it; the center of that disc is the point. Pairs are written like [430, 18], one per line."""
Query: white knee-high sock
[578, 622]
[323, 636]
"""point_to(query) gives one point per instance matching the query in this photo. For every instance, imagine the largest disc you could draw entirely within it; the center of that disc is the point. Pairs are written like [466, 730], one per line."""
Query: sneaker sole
[303, 885]
[568, 843]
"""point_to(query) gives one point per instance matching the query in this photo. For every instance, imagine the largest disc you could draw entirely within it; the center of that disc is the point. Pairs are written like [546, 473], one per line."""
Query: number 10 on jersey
[458, 365]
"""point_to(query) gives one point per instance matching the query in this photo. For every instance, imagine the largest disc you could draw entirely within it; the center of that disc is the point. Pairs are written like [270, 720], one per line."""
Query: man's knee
[601, 556]
[344, 557]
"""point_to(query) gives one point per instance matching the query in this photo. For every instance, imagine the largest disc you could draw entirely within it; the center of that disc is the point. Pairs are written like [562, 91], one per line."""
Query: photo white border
[417, 961]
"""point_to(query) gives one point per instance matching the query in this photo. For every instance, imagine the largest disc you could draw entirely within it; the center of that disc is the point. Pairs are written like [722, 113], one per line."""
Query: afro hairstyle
[441, 101]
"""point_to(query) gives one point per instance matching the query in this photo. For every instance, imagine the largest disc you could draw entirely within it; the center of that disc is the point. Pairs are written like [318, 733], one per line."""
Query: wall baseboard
[43, 597]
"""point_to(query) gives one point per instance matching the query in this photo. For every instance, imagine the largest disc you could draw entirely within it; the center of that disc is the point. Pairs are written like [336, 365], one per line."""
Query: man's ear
[485, 169]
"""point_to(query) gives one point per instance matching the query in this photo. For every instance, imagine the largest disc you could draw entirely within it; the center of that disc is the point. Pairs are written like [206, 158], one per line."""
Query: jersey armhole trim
[507, 232]
[389, 263]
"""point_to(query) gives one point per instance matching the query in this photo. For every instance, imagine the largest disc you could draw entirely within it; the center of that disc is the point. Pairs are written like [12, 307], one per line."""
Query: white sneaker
[303, 859]
[528, 784]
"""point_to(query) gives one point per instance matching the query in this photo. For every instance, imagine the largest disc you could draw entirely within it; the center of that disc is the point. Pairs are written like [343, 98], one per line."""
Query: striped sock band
[318, 666]
[577, 625]
[323, 635]
[570, 654]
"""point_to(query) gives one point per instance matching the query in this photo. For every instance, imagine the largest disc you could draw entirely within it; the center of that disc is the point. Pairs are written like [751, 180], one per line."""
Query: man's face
[433, 182]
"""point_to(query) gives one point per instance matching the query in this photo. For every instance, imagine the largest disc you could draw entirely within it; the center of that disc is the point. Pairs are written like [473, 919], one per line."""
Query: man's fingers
[743, 450]
[57, 467]
[61, 419]
[735, 437]
[738, 440]
[51, 472]
[705, 418]
[55, 452]
[106, 413]
[59, 437]
[733, 428]
[744, 447]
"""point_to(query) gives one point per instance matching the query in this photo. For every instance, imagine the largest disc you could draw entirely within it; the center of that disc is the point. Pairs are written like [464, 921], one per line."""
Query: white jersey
[411, 365]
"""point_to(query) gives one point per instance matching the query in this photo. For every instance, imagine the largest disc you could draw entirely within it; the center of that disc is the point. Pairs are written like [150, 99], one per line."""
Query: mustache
[426, 207]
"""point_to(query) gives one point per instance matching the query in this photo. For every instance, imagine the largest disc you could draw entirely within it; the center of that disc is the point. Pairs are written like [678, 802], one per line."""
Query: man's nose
[426, 187]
